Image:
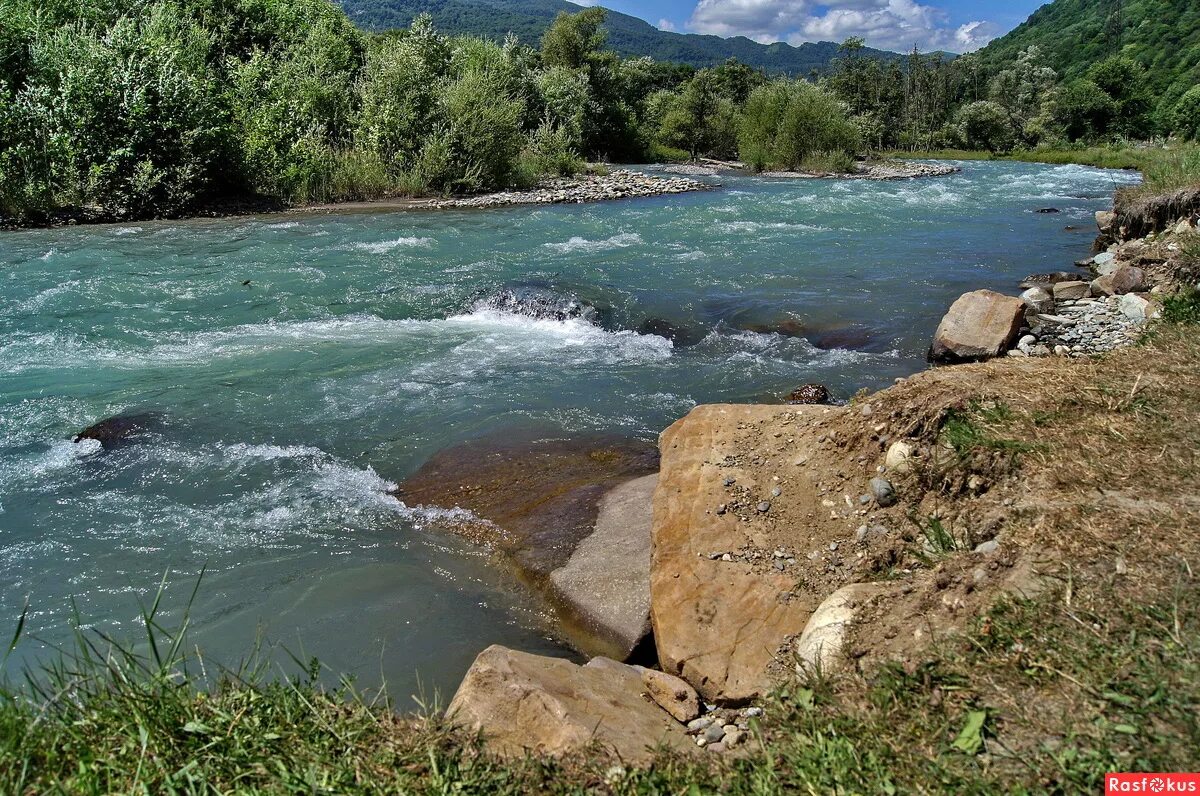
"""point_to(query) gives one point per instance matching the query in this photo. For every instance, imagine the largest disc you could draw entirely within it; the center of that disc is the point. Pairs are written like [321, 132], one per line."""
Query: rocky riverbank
[774, 541]
[1103, 305]
[874, 170]
[619, 184]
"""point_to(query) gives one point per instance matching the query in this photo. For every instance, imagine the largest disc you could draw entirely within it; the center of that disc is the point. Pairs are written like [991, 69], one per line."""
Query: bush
[551, 151]
[1186, 116]
[130, 120]
[985, 125]
[785, 122]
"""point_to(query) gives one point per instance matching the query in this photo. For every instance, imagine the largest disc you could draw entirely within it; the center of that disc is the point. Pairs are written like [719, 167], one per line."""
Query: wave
[383, 247]
[758, 226]
[578, 244]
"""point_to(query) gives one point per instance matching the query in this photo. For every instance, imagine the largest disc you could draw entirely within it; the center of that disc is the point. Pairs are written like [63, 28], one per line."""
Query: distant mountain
[1163, 35]
[629, 36]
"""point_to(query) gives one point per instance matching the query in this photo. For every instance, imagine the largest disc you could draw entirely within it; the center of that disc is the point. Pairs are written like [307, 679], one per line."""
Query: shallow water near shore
[362, 344]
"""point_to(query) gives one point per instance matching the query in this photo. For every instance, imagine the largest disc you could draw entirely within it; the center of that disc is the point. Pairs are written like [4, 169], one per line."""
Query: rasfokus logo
[1151, 783]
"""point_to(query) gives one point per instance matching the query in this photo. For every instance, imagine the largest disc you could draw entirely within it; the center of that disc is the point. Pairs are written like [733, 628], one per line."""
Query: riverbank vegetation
[114, 110]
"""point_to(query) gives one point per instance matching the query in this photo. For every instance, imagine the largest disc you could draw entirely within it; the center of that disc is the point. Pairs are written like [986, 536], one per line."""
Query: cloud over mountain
[888, 24]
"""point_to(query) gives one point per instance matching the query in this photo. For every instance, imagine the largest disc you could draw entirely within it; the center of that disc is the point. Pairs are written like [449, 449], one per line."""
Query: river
[298, 365]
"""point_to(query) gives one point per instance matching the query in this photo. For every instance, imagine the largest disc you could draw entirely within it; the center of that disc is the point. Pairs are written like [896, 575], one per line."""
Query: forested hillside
[1161, 36]
[627, 35]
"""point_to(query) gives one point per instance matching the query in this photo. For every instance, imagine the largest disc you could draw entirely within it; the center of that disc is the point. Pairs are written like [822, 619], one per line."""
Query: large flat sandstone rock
[604, 588]
[719, 624]
[525, 704]
[979, 325]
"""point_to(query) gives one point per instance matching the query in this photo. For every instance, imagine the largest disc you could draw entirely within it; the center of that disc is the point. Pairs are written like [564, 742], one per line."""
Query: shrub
[785, 122]
[551, 151]
[1186, 116]
[985, 125]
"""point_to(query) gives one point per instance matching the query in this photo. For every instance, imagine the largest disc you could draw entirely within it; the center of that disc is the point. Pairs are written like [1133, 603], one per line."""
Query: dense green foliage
[1162, 36]
[628, 36]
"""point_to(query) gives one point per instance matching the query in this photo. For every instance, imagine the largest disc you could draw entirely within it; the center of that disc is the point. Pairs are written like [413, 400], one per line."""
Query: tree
[1125, 82]
[785, 123]
[1186, 117]
[1085, 111]
[1027, 91]
[574, 40]
[985, 125]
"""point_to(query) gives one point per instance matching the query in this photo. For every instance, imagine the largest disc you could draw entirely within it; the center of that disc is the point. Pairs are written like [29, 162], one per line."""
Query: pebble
[752, 712]
[883, 491]
[702, 723]
[776, 492]
[714, 733]
[988, 547]
[764, 507]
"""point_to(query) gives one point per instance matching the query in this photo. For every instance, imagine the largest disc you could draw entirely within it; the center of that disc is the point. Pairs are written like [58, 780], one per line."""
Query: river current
[298, 365]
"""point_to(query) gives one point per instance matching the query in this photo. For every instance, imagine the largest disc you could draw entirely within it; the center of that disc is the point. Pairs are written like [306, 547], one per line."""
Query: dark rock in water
[1072, 228]
[681, 336]
[537, 302]
[786, 328]
[1048, 210]
[539, 502]
[851, 338]
[809, 394]
[120, 430]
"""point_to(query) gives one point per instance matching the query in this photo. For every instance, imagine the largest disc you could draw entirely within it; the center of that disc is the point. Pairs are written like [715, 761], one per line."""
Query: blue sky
[955, 25]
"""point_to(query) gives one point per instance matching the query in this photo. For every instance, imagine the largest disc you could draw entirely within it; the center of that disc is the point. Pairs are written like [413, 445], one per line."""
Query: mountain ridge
[627, 35]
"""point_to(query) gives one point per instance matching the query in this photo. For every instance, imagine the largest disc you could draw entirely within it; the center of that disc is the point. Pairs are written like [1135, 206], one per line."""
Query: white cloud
[666, 24]
[887, 24]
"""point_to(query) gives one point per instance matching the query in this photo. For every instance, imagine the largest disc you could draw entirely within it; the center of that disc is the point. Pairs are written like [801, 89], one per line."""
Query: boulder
[1048, 210]
[1069, 291]
[524, 704]
[1124, 279]
[1038, 299]
[979, 325]
[718, 624]
[820, 645]
[120, 430]
[672, 694]
[603, 591]
[1136, 308]
[809, 394]
[1106, 220]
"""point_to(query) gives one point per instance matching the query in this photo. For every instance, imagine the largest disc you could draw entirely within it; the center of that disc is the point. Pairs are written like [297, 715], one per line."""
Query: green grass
[970, 429]
[1183, 307]
[107, 721]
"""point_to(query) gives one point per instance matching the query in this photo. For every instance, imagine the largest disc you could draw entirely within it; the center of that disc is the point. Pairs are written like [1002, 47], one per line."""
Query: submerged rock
[525, 704]
[570, 516]
[680, 335]
[979, 325]
[120, 430]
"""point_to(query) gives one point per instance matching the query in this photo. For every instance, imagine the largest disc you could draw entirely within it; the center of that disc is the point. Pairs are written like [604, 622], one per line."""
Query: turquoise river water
[364, 343]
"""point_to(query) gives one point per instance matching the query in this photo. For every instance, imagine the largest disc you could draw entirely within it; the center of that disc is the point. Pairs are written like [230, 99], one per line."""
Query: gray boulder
[979, 325]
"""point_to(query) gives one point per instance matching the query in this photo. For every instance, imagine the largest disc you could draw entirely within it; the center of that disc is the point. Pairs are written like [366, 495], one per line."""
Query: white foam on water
[385, 246]
[55, 460]
[283, 225]
[577, 244]
[758, 226]
[241, 450]
[37, 302]
[127, 230]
